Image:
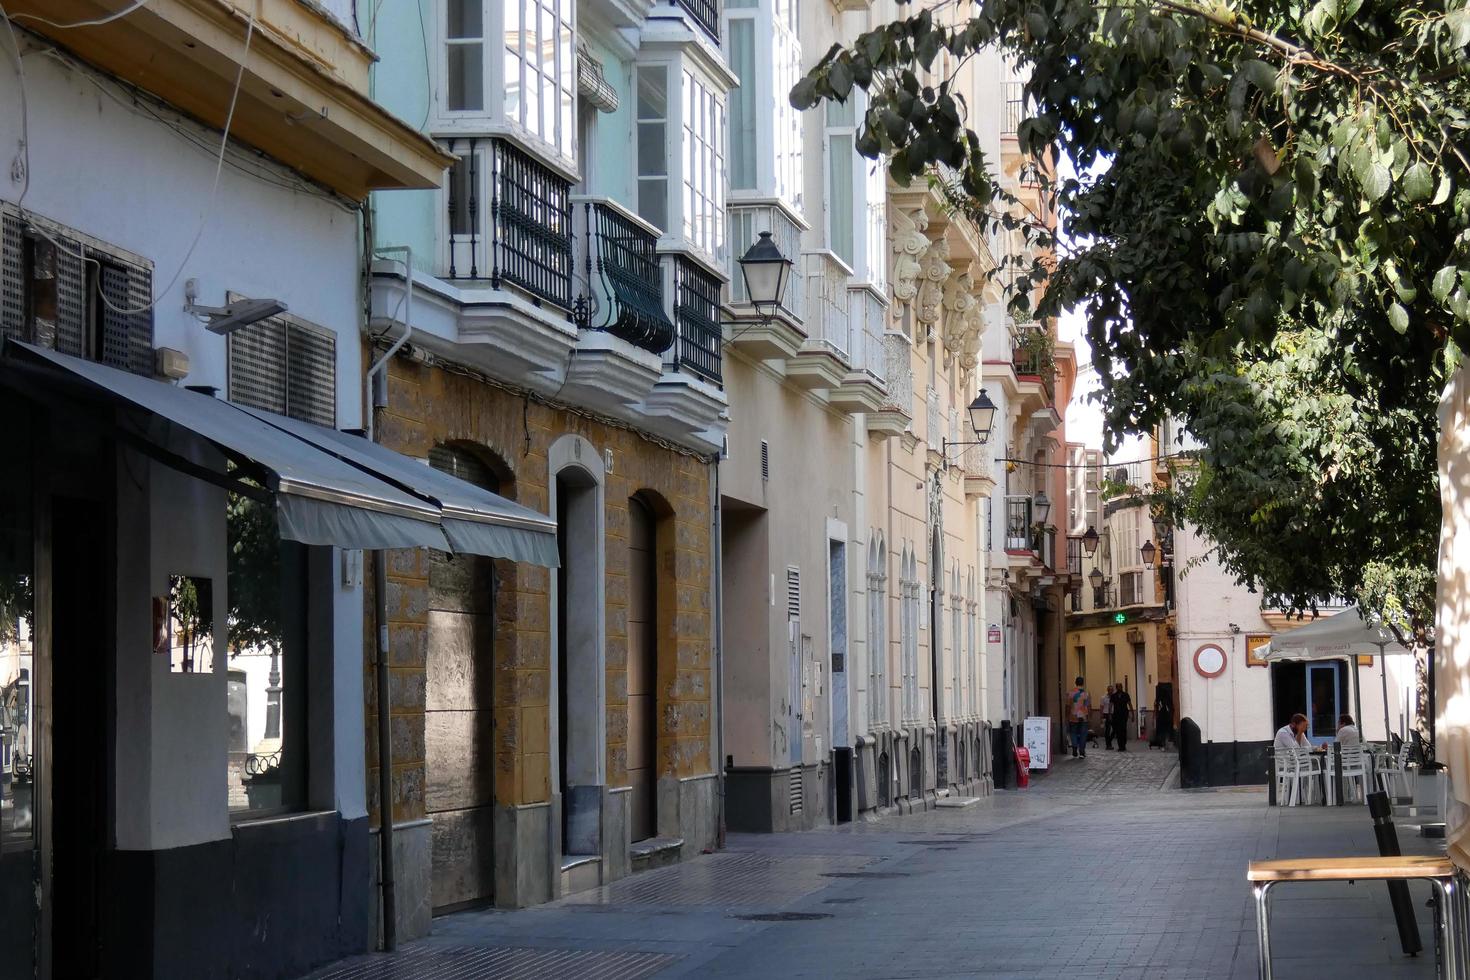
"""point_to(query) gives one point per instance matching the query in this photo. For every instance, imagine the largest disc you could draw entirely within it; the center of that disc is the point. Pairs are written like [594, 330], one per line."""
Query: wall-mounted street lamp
[1096, 578]
[982, 423]
[1089, 541]
[1041, 507]
[1148, 551]
[767, 274]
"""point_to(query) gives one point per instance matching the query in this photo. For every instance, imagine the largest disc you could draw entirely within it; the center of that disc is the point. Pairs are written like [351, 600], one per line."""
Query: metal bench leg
[1263, 929]
[1449, 917]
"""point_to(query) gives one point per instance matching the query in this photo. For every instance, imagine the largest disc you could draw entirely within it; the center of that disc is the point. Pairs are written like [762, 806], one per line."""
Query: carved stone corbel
[934, 270]
[909, 243]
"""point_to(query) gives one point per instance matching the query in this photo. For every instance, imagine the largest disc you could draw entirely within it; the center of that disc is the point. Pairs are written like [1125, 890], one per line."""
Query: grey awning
[475, 521]
[320, 499]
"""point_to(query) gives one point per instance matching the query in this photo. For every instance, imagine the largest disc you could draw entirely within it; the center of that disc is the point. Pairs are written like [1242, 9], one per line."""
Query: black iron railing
[1074, 599]
[706, 14]
[697, 318]
[624, 256]
[527, 241]
[1020, 530]
[1074, 556]
[1015, 108]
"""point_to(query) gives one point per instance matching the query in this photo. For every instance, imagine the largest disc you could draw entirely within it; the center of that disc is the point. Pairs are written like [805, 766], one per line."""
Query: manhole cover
[865, 874]
[784, 916]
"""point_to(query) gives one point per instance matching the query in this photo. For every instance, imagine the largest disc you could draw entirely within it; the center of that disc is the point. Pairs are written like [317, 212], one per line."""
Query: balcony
[1021, 530]
[895, 412]
[688, 399]
[510, 221]
[1074, 556]
[976, 465]
[1015, 108]
[706, 13]
[625, 329]
[863, 389]
[781, 335]
[823, 361]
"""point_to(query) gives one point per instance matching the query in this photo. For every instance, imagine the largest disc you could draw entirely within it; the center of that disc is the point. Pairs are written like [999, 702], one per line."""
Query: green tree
[254, 568]
[1268, 242]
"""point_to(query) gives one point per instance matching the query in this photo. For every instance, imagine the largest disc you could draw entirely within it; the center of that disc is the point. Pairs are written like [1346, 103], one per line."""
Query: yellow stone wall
[428, 406]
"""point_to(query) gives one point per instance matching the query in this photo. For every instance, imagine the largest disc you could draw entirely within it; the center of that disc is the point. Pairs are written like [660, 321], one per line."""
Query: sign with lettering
[1036, 736]
[992, 635]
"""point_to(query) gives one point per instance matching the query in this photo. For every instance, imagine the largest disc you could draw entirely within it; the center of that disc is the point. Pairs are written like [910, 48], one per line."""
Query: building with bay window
[552, 311]
[182, 522]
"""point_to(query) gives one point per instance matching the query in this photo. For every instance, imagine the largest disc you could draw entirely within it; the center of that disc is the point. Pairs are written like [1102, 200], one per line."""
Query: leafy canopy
[1271, 243]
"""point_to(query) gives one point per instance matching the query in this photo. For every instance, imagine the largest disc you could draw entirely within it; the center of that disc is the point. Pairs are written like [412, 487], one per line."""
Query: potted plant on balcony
[1036, 354]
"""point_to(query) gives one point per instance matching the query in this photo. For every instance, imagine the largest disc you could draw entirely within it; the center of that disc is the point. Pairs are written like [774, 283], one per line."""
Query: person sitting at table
[1293, 734]
[1347, 732]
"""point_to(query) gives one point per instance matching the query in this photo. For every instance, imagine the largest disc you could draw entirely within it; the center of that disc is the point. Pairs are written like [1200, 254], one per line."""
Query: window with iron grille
[287, 366]
[508, 219]
[697, 318]
[1131, 587]
[65, 291]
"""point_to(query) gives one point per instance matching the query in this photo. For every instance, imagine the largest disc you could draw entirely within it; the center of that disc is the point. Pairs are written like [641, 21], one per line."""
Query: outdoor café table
[1438, 871]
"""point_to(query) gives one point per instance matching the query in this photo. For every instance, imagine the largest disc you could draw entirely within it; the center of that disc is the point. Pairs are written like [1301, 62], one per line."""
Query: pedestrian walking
[1163, 715]
[1122, 707]
[1080, 703]
[1107, 716]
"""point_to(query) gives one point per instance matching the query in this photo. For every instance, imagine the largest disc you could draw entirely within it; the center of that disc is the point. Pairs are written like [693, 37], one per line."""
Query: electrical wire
[1088, 466]
[24, 156]
[208, 206]
[98, 22]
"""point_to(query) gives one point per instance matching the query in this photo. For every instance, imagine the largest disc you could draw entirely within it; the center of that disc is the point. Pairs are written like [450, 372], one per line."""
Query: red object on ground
[1023, 767]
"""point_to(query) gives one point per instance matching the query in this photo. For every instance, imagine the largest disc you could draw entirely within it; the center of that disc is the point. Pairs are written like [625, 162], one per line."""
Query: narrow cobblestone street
[1097, 870]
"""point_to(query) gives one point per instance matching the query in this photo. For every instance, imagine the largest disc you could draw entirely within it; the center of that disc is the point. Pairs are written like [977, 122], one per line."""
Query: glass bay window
[680, 147]
[766, 133]
[510, 65]
[856, 205]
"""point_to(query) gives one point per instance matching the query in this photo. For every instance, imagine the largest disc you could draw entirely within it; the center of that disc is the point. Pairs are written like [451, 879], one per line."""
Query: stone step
[579, 873]
[957, 802]
[655, 852]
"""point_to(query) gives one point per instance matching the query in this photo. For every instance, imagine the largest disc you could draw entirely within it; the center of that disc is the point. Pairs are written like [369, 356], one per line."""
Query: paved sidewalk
[1092, 872]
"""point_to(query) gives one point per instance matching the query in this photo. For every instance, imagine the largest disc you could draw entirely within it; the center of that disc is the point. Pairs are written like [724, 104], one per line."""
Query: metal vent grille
[71, 299]
[311, 370]
[793, 593]
[257, 366]
[12, 275]
[765, 460]
[796, 790]
[285, 367]
[127, 338]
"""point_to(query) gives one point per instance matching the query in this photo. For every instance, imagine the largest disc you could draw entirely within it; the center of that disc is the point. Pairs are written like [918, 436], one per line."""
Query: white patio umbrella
[1334, 637]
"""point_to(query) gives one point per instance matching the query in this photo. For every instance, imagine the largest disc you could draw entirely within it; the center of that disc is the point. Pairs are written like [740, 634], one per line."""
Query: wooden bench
[1438, 871]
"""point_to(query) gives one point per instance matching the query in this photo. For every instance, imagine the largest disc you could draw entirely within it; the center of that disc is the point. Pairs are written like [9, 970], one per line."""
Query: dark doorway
[842, 779]
[80, 671]
[936, 625]
[579, 664]
[1318, 690]
[642, 670]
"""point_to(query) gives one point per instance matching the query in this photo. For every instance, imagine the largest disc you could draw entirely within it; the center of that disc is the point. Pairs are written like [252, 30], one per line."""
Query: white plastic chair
[1296, 776]
[1355, 772]
[1393, 773]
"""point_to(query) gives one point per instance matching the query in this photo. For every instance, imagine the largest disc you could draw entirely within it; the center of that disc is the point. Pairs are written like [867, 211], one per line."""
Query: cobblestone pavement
[1096, 870]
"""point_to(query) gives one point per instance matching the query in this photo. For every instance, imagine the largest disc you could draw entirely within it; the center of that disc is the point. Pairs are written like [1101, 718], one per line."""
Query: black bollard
[1337, 773]
[1398, 891]
[1271, 776]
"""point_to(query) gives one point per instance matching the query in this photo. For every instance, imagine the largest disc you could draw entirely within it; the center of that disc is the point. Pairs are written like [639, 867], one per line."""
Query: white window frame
[559, 146]
[695, 154]
[779, 146]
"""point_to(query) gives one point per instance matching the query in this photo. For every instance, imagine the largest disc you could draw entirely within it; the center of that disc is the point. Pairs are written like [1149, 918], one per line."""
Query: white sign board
[1036, 736]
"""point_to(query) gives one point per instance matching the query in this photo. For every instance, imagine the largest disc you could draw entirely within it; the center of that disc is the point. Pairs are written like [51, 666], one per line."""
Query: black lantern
[1148, 551]
[767, 273]
[1096, 578]
[1041, 506]
[982, 416]
[1089, 541]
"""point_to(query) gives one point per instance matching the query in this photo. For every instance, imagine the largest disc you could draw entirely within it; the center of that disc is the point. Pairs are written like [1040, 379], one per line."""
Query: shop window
[266, 685]
[17, 664]
[184, 625]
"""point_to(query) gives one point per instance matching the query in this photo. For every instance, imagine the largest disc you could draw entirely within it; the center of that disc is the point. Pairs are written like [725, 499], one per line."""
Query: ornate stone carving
[934, 270]
[959, 301]
[909, 244]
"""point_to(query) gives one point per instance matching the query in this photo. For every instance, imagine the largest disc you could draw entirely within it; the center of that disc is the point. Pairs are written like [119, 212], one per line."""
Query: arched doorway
[578, 675]
[643, 619]
[459, 752]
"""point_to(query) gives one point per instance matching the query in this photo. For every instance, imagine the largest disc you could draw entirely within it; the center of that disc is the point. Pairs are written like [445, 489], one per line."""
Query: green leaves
[1271, 244]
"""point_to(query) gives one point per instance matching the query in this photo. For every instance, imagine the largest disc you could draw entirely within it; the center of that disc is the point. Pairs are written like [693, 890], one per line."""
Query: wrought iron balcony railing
[1020, 528]
[1015, 108]
[706, 14]
[1074, 556]
[867, 317]
[747, 221]
[697, 348]
[510, 220]
[625, 282]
